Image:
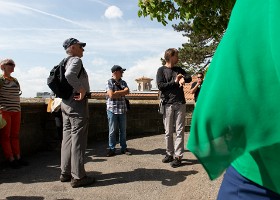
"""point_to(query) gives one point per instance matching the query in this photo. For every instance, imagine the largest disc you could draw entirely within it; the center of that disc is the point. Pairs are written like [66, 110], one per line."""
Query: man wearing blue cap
[116, 110]
[75, 118]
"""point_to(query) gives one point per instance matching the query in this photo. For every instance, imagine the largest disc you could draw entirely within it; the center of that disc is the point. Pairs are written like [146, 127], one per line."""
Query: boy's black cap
[117, 68]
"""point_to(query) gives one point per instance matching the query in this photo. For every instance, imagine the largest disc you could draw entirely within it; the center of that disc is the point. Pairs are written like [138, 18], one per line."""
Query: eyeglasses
[199, 77]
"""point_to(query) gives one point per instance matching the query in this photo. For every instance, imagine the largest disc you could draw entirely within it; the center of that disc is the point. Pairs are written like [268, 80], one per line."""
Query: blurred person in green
[235, 125]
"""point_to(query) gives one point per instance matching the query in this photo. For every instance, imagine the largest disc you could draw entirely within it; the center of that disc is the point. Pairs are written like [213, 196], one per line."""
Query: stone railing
[38, 127]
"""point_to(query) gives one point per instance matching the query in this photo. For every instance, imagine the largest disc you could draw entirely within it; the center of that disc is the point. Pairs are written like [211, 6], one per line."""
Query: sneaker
[111, 153]
[167, 159]
[176, 162]
[22, 162]
[14, 164]
[82, 182]
[126, 152]
[65, 178]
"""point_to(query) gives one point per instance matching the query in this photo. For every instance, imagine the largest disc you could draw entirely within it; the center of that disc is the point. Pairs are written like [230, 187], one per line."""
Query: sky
[32, 33]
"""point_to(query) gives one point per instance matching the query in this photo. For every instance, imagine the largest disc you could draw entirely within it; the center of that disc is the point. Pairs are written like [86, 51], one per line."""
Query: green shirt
[237, 116]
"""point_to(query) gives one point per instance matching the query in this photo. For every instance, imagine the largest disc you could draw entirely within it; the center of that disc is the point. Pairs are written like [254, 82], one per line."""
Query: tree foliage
[198, 50]
[202, 21]
[209, 16]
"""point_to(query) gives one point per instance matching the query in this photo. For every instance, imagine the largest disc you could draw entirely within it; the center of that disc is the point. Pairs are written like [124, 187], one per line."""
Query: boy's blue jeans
[117, 124]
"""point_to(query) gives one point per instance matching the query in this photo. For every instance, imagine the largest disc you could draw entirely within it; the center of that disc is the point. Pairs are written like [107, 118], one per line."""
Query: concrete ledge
[38, 127]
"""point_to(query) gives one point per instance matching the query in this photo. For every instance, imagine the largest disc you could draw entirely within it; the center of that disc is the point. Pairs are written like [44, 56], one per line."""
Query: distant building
[43, 95]
[144, 91]
[144, 84]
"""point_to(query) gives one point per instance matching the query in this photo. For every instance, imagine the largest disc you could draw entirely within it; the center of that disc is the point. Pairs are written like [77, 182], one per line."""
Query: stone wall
[38, 127]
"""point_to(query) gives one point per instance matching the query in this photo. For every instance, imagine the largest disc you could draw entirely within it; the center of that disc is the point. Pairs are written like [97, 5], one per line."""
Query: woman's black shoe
[22, 162]
[14, 164]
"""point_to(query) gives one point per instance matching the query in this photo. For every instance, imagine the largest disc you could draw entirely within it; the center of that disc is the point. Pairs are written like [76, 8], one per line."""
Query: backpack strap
[65, 60]
[81, 70]
[116, 83]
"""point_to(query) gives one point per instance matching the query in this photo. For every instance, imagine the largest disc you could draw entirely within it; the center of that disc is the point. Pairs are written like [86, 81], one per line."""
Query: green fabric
[237, 115]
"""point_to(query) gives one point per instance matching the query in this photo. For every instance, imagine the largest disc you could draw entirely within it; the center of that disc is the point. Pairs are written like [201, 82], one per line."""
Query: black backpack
[57, 81]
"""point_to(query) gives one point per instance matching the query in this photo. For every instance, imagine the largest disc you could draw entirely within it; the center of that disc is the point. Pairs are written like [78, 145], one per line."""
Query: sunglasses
[199, 77]
[10, 64]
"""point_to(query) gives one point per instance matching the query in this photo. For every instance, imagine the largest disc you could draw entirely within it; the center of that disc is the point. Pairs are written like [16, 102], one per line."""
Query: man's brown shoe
[86, 180]
[126, 152]
[65, 178]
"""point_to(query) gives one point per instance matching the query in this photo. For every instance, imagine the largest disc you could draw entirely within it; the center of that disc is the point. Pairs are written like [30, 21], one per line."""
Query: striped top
[9, 96]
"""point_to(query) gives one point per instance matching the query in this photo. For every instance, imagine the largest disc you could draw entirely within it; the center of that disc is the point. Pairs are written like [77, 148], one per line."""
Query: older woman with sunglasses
[11, 112]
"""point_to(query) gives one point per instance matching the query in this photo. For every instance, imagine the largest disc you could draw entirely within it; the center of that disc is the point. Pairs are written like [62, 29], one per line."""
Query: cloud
[11, 8]
[20, 8]
[132, 43]
[32, 80]
[146, 67]
[99, 62]
[100, 2]
[113, 12]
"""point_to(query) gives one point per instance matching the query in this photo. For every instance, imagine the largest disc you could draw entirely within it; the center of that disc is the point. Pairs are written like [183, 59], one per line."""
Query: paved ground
[141, 176]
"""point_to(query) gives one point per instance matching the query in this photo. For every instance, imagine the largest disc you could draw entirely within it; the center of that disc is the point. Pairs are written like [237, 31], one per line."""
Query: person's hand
[116, 94]
[182, 82]
[80, 95]
[179, 77]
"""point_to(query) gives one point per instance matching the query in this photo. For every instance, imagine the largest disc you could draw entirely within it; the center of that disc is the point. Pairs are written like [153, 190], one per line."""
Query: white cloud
[99, 62]
[11, 8]
[147, 67]
[34, 36]
[32, 81]
[100, 2]
[113, 12]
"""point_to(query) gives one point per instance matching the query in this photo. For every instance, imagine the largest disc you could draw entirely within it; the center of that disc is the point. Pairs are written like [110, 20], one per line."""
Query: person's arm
[187, 76]
[71, 74]
[118, 93]
[183, 77]
[194, 87]
[163, 83]
[109, 89]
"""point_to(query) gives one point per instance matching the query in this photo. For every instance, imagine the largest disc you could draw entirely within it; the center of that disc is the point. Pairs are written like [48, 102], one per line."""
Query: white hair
[6, 61]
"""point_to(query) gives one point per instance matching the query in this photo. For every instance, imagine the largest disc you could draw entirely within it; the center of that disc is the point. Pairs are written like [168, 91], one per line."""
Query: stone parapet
[38, 127]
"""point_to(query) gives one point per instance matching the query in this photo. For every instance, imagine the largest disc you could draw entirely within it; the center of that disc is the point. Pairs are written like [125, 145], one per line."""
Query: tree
[202, 21]
[209, 16]
[198, 51]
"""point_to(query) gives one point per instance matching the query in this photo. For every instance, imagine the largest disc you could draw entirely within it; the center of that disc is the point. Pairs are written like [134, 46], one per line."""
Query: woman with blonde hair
[11, 112]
